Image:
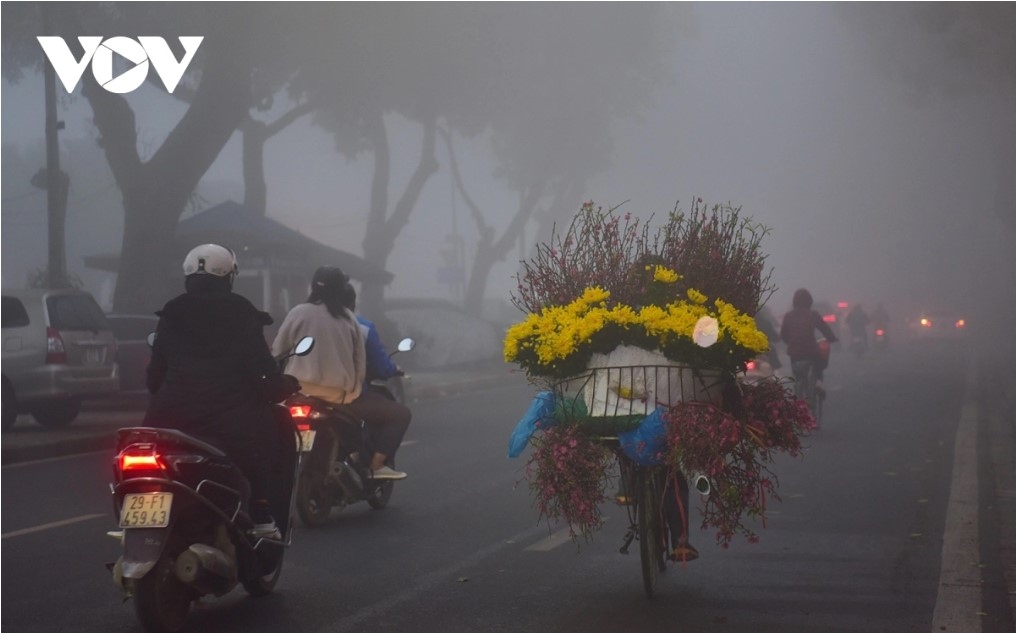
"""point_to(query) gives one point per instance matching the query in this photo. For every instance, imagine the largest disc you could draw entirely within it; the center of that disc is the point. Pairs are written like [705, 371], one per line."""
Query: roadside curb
[100, 440]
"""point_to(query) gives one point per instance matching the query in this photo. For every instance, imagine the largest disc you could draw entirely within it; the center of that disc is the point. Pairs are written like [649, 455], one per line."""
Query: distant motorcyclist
[211, 376]
[798, 330]
[858, 323]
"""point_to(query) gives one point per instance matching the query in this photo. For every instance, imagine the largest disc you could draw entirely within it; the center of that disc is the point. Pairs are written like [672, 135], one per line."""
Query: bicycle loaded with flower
[637, 340]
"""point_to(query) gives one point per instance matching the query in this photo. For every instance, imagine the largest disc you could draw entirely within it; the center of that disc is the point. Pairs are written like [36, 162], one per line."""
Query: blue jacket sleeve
[379, 363]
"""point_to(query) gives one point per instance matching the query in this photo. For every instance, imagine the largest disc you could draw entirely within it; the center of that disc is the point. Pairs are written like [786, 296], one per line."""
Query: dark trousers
[386, 420]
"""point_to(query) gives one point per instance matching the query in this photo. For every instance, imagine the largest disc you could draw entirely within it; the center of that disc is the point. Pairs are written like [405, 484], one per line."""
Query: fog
[877, 145]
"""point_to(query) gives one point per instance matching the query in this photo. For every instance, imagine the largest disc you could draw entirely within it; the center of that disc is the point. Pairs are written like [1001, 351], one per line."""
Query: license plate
[93, 355]
[146, 510]
[306, 440]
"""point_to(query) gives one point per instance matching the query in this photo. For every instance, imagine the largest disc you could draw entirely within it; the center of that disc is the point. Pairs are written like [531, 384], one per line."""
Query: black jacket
[211, 372]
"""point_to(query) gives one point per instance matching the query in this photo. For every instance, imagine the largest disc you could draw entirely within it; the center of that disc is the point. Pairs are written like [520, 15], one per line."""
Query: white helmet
[210, 259]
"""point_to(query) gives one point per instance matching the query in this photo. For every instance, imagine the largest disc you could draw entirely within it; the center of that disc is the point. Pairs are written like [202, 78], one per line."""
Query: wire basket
[612, 400]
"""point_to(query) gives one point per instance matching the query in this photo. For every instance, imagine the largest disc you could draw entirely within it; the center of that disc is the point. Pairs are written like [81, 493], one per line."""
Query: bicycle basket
[612, 400]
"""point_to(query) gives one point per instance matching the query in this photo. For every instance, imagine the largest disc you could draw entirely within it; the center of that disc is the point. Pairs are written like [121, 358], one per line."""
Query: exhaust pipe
[207, 569]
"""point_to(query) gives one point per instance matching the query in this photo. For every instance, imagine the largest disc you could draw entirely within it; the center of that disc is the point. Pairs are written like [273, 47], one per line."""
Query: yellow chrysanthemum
[695, 296]
[665, 275]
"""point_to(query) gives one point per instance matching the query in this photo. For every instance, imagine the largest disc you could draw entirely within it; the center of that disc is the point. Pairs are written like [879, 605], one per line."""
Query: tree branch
[483, 229]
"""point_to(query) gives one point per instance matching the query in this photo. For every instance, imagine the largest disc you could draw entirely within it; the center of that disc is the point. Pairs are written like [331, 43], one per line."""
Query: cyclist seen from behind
[799, 329]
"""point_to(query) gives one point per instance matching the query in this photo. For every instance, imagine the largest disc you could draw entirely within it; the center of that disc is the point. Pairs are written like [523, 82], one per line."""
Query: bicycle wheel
[651, 550]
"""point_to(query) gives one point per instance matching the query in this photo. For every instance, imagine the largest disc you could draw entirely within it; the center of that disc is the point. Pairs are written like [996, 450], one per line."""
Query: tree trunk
[255, 136]
[155, 192]
[382, 228]
[490, 252]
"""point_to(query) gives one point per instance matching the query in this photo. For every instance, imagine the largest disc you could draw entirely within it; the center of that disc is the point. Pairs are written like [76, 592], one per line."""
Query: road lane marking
[959, 598]
[50, 526]
[547, 544]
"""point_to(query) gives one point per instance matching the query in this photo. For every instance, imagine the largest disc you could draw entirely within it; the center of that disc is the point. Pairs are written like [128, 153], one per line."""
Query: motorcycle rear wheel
[383, 492]
[162, 602]
[314, 498]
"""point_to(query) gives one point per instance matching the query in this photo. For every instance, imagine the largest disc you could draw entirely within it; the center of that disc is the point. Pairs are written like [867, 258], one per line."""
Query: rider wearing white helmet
[212, 376]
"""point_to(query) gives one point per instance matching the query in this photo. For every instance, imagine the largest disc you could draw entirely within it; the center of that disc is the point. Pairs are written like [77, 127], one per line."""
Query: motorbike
[859, 344]
[181, 506]
[335, 472]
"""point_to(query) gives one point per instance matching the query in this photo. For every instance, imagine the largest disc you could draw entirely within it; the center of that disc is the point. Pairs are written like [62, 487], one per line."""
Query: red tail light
[959, 324]
[750, 365]
[303, 427]
[925, 322]
[300, 411]
[830, 318]
[56, 354]
[880, 332]
[140, 458]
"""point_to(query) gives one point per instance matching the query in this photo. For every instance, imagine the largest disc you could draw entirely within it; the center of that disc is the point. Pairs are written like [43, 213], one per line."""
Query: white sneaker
[387, 473]
[265, 530]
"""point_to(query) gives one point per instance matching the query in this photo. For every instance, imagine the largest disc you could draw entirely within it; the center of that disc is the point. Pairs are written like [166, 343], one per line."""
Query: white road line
[959, 599]
[547, 544]
[50, 526]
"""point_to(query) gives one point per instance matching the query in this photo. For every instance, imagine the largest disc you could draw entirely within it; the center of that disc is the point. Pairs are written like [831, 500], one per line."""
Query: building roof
[255, 237]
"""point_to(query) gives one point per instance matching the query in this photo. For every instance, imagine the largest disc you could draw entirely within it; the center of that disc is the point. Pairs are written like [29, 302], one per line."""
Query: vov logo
[139, 52]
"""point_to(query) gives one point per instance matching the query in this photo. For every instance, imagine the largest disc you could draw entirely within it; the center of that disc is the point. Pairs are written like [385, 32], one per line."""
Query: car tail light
[959, 324]
[830, 318]
[56, 353]
[142, 457]
[300, 411]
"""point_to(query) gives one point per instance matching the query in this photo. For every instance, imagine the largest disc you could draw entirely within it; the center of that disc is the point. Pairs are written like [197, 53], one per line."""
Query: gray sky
[871, 194]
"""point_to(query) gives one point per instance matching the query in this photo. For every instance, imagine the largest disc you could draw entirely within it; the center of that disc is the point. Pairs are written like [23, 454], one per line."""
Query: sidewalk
[94, 428]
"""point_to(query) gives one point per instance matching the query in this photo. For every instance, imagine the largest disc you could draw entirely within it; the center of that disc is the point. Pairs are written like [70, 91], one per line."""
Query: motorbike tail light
[959, 324]
[880, 332]
[140, 458]
[925, 322]
[300, 411]
[830, 318]
[750, 365]
[56, 353]
[303, 427]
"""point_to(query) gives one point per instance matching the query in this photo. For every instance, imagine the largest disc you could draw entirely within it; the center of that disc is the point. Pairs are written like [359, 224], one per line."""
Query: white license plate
[93, 355]
[306, 440]
[146, 510]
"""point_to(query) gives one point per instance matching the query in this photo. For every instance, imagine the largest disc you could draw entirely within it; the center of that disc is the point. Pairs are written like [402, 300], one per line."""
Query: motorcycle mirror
[150, 339]
[406, 345]
[304, 346]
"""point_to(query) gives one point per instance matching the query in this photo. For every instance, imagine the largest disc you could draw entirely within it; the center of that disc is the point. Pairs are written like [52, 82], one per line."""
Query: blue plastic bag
[539, 415]
[645, 444]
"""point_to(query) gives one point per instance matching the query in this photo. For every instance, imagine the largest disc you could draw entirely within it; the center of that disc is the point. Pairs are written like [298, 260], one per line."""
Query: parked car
[58, 348]
[133, 353]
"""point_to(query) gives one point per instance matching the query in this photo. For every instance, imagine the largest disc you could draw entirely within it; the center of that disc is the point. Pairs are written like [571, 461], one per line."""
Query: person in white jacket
[337, 370]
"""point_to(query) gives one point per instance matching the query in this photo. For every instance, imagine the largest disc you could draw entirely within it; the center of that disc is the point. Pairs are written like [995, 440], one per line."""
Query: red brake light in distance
[300, 411]
[880, 332]
[925, 322]
[842, 305]
[56, 354]
[959, 324]
[830, 318]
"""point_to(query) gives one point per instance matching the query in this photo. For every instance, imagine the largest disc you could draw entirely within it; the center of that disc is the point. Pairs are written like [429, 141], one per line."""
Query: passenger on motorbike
[798, 330]
[211, 376]
[339, 375]
[387, 419]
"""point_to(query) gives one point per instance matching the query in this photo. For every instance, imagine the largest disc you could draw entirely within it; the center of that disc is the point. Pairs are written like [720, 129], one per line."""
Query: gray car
[58, 348]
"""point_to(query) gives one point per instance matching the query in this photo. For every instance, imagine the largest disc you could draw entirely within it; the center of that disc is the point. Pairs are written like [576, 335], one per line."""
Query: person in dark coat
[798, 330]
[212, 376]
